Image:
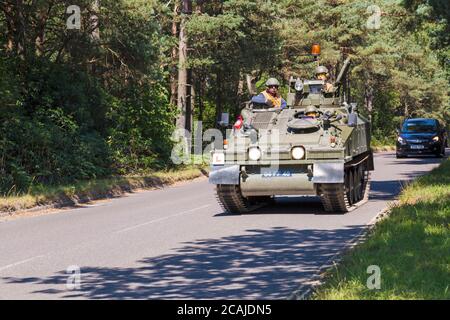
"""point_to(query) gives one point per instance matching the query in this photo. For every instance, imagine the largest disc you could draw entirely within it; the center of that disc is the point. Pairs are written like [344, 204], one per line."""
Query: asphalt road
[177, 243]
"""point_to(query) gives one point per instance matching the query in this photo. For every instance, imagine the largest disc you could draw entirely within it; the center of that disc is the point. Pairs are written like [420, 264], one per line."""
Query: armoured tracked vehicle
[287, 152]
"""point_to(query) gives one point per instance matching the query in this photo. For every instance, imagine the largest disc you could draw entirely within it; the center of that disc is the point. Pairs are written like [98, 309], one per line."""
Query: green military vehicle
[275, 151]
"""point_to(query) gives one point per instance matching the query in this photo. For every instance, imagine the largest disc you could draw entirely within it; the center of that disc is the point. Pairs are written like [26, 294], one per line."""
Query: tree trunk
[42, 17]
[199, 95]
[7, 9]
[189, 109]
[94, 33]
[187, 9]
[15, 23]
[219, 99]
[368, 99]
[251, 84]
[182, 76]
[239, 95]
[20, 30]
[173, 73]
[95, 30]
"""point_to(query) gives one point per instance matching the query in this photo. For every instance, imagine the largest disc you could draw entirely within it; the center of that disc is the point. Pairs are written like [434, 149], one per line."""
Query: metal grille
[282, 122]
[262, 120]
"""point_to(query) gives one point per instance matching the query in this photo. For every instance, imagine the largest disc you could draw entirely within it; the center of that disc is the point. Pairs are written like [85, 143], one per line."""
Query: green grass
[378, 145]
[411, 247]
[383, 148]
[95, 189]
[381, 142]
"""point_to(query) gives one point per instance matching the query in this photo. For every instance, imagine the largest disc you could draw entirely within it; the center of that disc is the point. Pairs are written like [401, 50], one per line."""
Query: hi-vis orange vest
[275, 100]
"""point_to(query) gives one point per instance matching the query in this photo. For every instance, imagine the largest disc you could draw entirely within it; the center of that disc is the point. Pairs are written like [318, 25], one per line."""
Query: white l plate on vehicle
[218, 159]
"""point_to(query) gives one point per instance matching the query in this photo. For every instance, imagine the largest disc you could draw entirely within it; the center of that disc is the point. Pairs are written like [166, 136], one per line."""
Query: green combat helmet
[311, 111]
[272, 82]
[321, 69]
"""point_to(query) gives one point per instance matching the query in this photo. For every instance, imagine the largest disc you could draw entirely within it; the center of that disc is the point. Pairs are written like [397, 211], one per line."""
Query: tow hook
[310, 172]
[244, 174]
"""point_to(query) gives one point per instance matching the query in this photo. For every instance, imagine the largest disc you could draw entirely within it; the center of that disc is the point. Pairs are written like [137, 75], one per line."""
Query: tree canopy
[87, 102]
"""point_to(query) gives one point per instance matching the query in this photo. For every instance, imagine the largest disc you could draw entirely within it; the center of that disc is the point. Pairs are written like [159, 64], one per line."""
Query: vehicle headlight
[254, 153]
[298, 85]
[401, 140]
[436, 139]
[298, 153]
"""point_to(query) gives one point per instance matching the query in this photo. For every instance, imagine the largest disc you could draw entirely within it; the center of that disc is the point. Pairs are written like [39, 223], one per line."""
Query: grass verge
[383, 148]
[381, 145]
[85, 191]
[411, 247]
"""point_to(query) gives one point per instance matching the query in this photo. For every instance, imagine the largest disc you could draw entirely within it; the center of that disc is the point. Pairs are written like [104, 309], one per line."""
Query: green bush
[65, 127]
[143, 125]
[48, 148]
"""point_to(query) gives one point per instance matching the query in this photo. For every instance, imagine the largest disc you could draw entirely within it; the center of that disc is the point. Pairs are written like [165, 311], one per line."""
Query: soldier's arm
[259, 99]
[329, 87]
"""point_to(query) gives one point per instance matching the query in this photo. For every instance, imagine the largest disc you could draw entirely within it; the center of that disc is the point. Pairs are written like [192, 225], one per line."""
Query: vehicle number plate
[417, 146]
[277, 174]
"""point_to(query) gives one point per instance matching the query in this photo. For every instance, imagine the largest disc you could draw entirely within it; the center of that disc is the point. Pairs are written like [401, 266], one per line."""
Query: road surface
[177, 243]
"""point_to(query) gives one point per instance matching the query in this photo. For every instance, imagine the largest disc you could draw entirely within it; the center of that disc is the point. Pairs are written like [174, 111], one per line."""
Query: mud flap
[328, 172]
[224, 175]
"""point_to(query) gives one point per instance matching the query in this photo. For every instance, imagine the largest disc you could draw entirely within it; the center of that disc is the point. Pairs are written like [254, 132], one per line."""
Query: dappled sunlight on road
[261, 264]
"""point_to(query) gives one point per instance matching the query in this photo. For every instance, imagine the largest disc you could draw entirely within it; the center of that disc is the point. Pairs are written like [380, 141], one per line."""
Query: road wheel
[359, 183]
[350, 186]
[355, 184]
[342, 197]
[232, 200]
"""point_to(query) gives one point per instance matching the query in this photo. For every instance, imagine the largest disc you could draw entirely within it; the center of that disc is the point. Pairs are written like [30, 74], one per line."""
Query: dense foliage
[100, 100]
[79, 104]
[400, 66]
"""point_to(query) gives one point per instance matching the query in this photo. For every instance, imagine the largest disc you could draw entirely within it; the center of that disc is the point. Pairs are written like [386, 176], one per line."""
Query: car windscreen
[419, 126]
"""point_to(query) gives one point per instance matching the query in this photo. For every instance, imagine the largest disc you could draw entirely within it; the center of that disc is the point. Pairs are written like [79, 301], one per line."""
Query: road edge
[306, 289]
[77, 199]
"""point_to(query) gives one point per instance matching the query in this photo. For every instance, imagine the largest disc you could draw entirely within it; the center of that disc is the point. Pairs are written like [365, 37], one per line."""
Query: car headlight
[401, 140]
[436, 139]
[254, 153]
[298, 153]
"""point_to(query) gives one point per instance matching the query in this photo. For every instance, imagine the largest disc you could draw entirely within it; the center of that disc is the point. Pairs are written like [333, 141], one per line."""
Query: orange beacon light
[315, 50]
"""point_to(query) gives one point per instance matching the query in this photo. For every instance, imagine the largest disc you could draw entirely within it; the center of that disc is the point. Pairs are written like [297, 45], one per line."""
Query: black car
[421, 136]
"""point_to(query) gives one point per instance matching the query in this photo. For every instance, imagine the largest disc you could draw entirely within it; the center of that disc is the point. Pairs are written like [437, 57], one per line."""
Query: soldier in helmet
[322, 74]
[270, 96]
[311, 112]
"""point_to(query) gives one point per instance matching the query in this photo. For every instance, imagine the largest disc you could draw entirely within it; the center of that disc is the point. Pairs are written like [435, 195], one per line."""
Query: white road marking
[162, 219]
[19, 263]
